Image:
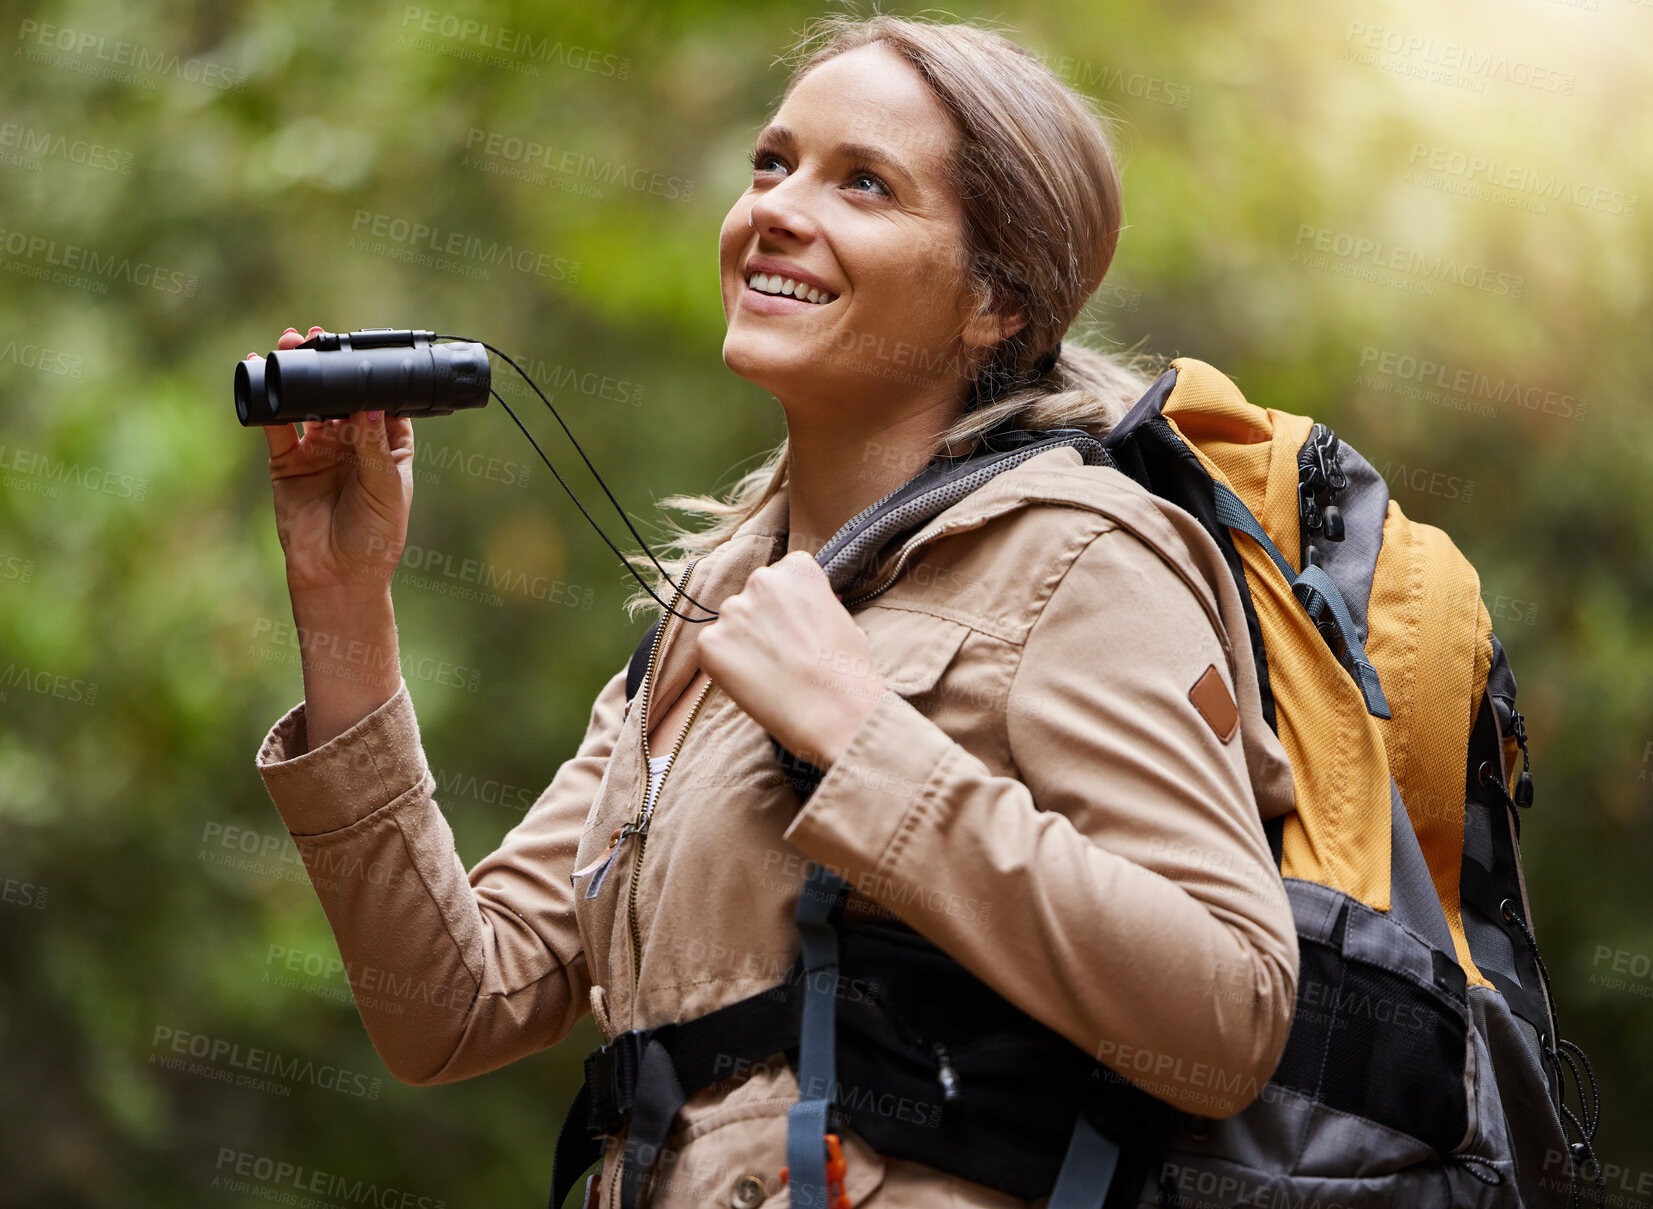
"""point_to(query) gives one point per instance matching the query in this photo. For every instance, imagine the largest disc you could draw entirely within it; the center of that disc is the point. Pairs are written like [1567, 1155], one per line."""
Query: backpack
[1423, 1066]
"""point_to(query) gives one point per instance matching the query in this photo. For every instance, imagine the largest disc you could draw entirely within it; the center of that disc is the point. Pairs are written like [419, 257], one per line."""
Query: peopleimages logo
[1465, 387]
[1543, 186]
[1362, 256]
[1447, 62]
[47, 684]
[474, 38]
[37, 252]
[508, 155]
[46, 472]
[46, 360]
[97, 55]
[242, 1171]
[251, 1066]
[28, 146]
[422, 237]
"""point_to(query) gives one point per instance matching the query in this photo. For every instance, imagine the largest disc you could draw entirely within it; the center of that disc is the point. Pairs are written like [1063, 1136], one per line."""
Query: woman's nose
[785, 209]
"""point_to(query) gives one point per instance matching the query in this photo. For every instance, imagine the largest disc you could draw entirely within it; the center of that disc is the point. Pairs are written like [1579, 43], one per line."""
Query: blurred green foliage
[142, 607]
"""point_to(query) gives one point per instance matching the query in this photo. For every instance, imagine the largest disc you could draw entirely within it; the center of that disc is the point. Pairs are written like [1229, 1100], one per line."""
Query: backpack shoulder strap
[1195, 440]
[849, 554]
[640, 659]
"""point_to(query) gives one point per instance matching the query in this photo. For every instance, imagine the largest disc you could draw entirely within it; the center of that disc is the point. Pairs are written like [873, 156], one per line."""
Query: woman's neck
[835, 467]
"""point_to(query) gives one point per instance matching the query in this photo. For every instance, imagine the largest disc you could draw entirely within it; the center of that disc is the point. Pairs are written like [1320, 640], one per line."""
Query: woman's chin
[771, 363]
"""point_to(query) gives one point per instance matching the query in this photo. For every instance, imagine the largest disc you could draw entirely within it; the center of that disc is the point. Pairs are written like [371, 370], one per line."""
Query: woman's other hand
[790, 655]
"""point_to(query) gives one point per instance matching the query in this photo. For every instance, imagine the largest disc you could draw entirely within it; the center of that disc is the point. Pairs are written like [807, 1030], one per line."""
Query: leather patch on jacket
[1210, 697]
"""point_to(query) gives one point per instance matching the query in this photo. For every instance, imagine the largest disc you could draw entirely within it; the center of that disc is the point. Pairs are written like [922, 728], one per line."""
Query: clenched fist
[775, 649]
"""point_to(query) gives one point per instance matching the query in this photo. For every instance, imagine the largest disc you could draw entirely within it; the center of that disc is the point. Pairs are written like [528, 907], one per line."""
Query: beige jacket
[1041, 791]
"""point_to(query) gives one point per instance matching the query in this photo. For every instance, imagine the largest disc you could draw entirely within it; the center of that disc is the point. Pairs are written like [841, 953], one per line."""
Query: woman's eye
[761, 161]
[878, 185]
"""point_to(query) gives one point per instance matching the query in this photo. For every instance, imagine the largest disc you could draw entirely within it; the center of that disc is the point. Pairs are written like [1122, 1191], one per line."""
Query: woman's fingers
[281, 437]
[399, 433]
[325, 441]
[366, 432]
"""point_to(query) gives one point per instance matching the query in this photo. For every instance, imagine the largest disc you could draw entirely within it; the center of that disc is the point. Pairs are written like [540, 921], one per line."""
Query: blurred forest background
[179, 181]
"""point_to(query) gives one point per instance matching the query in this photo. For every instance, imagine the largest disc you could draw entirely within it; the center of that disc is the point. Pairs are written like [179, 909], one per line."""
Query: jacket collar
[1004, 493]
[761, 539]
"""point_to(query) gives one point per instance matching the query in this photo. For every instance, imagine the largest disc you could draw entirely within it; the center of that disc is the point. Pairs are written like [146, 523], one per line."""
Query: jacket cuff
[364, 769]
[875, 795]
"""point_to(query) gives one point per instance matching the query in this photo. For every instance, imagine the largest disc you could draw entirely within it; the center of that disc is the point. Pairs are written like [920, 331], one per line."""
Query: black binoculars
[333, 375]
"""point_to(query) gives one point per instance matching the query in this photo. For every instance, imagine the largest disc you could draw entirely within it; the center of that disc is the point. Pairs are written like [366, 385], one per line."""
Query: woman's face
[849, 197]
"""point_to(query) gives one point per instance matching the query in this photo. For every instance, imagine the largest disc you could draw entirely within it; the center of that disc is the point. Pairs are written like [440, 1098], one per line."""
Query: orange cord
[837, 1168]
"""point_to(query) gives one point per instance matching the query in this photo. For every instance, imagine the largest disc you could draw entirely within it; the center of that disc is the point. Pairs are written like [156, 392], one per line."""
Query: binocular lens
[250, 400]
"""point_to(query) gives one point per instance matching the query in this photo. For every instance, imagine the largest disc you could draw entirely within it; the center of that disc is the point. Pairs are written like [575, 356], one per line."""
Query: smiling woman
[1044, 700]
[957, 204]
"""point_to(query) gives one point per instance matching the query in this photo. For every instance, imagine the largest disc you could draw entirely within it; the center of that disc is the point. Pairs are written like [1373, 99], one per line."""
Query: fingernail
[375, 416]
[314, 330]
[290, 331]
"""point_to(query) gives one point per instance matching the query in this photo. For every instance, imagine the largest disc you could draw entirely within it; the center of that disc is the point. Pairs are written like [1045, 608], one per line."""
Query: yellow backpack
[1425, 1031]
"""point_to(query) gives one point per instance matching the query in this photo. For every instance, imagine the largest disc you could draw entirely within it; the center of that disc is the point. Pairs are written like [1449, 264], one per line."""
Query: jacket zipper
[896, 568]
[645, 811]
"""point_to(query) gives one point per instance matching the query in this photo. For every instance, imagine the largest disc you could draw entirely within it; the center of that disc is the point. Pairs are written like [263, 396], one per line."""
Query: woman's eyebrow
[860, 151]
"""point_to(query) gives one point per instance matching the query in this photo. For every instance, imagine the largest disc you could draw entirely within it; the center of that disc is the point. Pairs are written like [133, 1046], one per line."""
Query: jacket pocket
[730, 1145]
[910, 650]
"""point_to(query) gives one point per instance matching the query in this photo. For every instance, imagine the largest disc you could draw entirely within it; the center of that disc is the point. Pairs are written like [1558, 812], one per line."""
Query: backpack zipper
[645, 809]
[946, 1076]
[1522, 796]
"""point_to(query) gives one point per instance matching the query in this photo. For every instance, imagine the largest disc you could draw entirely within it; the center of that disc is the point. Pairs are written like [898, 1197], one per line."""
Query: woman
[1013, 765]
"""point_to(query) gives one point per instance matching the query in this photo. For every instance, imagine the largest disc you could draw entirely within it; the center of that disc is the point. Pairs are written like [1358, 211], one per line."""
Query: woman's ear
[986, 326]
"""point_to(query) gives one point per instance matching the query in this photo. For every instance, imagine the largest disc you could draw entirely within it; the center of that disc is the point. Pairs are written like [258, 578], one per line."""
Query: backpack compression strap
[1320, 597]
[1088, 1166]
[806, 1121]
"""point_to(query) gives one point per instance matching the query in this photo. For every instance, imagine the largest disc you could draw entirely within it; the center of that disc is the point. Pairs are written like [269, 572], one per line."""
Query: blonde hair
[1034, 171]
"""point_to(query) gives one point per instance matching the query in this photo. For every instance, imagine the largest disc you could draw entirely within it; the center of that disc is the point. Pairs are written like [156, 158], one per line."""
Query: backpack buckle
[611, 1081]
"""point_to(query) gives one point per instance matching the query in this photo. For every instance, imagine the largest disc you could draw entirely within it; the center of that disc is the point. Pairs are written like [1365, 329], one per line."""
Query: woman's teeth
[769, 283]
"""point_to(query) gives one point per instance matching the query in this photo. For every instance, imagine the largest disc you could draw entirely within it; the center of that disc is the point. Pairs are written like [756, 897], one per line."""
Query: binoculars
[332, 375]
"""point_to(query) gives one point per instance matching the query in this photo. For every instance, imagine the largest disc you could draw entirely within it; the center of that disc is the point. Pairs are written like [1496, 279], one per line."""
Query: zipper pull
[1336, 481]
[600, 867]
[945, 1074]
[1319, 478]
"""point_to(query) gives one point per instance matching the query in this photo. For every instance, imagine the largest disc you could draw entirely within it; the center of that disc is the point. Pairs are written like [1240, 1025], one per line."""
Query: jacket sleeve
[453, 975]
[1121, 889]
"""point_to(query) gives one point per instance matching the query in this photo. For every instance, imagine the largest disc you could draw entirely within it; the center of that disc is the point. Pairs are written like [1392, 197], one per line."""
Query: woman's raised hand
[342, 496]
